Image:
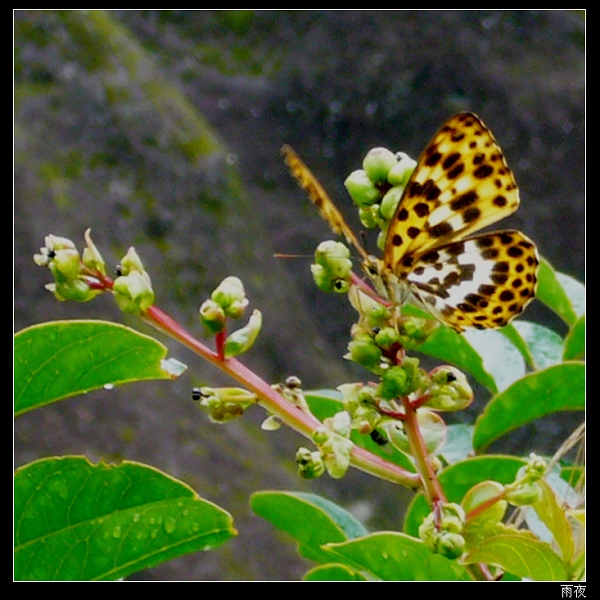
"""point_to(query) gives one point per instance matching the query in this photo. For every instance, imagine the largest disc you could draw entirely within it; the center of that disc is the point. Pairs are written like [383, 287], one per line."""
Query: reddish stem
[275, 403]
[432, 488]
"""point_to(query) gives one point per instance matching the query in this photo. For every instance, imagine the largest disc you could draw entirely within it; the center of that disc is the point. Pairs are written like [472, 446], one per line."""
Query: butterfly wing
[461, 184]
[319, 197]
[483, 282]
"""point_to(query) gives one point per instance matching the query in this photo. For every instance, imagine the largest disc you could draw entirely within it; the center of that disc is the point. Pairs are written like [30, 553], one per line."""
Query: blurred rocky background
[162, 130]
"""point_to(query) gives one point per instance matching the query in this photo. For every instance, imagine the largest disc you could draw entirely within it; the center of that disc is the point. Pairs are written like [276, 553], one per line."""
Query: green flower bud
[91, 256]
[335, 257]
[386, 337]
[369, 216]
[449, 389]
[524, 494]
[394, 383]
[364, 351]
[400, 173]
[330, 249]
[242, 340]
[534, 470]
[133, 293]
[478, 495]
[333, 268]
[131, 262]
[361, 189]
[340, 423]
[77, 290]
[223, 404]
[402, 380]
[71, 282]
[450, 545]
[310, 464]
[231, 297]
[374, 314]
[336, 453]
[415, 330]
[52, 243]
[212, 317]
[65, 265]
[445, 539]
[389, 204]
[377, 164]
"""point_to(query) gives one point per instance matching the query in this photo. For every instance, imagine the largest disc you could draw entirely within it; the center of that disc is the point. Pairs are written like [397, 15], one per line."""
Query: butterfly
[432, 253]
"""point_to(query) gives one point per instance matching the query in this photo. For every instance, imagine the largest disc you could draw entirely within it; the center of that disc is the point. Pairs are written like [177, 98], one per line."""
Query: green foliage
[79, 521]
[75, 520]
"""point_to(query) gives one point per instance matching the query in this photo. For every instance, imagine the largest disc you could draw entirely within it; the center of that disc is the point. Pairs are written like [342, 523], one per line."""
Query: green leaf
[310, 519]
[457, 479]
[333, 572]
[519, 343]
[500, 357]
[391, 556]
[552, 514]
[459, 443]
[60, 359]
[79, 521]
[561, 293]
[557, 388]
[546, 346]
[575, 341]
[520, 555]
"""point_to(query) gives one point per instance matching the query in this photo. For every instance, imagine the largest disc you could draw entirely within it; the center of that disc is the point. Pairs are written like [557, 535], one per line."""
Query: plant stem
[275, 403]
[432, 488]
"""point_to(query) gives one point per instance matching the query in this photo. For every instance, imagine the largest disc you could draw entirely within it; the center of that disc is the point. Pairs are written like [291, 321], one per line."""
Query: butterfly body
[432, 253]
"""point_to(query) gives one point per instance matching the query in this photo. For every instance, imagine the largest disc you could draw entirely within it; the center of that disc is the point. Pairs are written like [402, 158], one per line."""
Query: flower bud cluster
[334, 449]
[73, 274]
[525, 489]
[228, 300]
[444, 536]
[223, 404]
[132, 288]
[332, 268]
[377, 188]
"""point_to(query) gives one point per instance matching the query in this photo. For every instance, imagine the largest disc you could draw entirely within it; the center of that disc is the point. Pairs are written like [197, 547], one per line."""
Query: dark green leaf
[575, 342]
[79, 521]
[391, 556]
[561, 293]
[557, 388]
[64, 358]
[310, 519]
[546, 346]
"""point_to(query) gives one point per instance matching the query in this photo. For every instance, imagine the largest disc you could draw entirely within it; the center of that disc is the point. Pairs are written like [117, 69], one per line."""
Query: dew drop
[136, 517]
[109, 386]
[170, 524]
[117, 532]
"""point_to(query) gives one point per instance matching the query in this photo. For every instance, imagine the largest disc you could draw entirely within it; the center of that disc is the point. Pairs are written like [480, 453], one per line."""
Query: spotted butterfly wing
[461, 184]
[319, 197]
